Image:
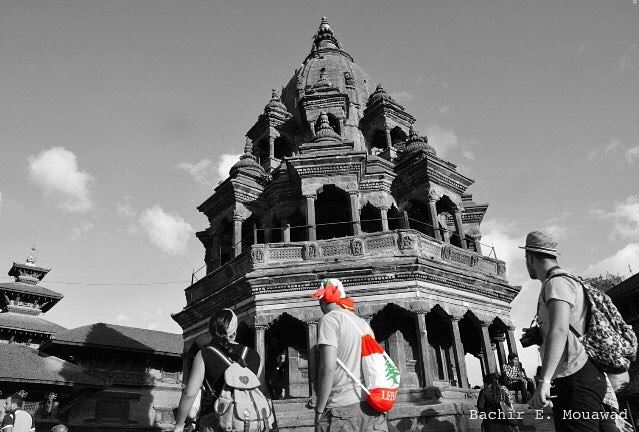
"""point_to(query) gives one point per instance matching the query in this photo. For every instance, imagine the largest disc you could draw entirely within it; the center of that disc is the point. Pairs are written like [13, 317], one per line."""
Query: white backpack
[241, 406]
[380, 373]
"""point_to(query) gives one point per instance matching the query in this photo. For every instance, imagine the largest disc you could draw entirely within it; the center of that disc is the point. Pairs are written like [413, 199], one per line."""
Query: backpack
[609, 342]
[241, 405]
[380, 373]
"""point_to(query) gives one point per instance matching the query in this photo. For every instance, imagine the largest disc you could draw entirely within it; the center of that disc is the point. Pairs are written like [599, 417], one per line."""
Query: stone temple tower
[336, 182]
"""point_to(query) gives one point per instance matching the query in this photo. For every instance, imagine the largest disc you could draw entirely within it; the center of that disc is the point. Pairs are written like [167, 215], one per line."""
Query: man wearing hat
[578, 385]
[340, 405]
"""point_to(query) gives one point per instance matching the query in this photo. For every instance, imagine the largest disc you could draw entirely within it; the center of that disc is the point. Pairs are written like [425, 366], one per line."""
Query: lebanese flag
[381, 376]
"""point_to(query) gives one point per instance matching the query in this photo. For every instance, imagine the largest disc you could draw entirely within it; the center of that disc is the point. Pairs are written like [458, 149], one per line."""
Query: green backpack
[241, 406]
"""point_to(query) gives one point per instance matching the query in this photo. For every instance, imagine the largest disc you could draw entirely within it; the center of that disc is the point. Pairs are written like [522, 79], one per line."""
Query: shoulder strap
[244, 352]
[576, 279]
[343, 366]
[222, 356]
[346, 314]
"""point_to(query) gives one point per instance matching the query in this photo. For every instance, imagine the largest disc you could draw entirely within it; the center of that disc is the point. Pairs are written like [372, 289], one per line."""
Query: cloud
[402, 96]
[444, 140]
[469, 154]
[80, 230]
[624, 216]
[559, 231]
[629, 60]
[561, 216]
[618, 263]
[208, 173]
[56, 172]
[121, 317]
[125, 211]
[168, 232]
[593, 155]
[632, 155]
[612, 147]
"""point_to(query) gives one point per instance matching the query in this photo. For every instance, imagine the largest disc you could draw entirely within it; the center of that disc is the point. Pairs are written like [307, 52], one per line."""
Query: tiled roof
[123, 338]
[31, 323]
[29, 289]
[23, 364]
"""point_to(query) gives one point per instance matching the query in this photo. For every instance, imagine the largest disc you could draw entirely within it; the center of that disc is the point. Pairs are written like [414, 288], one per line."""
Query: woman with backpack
[209, 375]
[494, 401]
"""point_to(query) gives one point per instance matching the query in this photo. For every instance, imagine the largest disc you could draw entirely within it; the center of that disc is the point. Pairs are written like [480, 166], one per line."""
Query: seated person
[514, 377]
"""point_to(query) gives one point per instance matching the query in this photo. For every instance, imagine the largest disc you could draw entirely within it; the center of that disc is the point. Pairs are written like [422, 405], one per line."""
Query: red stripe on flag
[370, 346]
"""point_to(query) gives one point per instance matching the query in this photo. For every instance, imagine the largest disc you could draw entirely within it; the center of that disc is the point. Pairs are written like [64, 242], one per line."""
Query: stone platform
[447, 416]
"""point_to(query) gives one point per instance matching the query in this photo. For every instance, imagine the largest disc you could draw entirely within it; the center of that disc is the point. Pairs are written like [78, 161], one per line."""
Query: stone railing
[371, 246]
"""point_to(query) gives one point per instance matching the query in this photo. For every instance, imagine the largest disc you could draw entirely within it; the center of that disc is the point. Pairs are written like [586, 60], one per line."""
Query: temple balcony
[366, 249]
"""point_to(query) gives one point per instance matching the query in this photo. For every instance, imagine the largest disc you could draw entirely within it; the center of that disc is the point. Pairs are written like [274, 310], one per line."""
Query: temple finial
[275, 96]
[324, 123]
[325, 37]
[31, 260]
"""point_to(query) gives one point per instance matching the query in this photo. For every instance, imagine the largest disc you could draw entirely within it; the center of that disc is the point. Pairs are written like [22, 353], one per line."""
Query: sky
[118, 118]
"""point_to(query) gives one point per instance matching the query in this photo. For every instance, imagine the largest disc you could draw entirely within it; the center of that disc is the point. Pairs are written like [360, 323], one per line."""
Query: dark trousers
[359, 417]
[578, 396]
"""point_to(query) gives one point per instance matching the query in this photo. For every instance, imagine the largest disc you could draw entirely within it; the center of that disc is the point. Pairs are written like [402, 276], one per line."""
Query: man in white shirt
[15, 419]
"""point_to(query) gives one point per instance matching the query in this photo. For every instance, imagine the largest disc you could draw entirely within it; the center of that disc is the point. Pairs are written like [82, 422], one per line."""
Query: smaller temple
[92, 378]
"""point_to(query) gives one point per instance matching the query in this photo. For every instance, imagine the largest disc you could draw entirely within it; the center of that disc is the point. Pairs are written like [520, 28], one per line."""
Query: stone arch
[398, 136]
[440, 338]
[332, 213]
[333, 121]
[394, 218]
[282, 147]
[445, 215]
[419, 217]
[497, 331]
[394, 328]
[371, 218]
[378, 140]
[286, 363]
[227, 251]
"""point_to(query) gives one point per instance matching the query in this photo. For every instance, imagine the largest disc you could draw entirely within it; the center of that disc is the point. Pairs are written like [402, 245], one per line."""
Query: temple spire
[324, 38]
[31, 260]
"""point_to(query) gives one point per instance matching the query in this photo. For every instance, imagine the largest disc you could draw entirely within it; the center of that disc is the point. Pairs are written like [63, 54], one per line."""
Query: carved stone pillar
[237, 236]
[311, 331]
[267, 235]
[460, 227]
[310, 217]
[425, 359]
[432, 209]
[501, 352]
[510, 340]
[354, 204]
[286, 231]
[271, 146]
[384, 213]
[478, 246]
[441, 356]
[489, 356]
[396, 351]
[405, 221]
[389, 141]
[458, 347]
[260, 347]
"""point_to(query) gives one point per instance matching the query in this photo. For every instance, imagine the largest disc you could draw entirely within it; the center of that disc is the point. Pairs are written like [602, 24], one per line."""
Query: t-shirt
[215, 367]
[20, 420]
[337, 330]
[570, 291]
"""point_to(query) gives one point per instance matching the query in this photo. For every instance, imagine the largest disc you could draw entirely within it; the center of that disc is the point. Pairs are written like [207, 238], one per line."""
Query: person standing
[208, 364]
[490, 401]
[15, 419]
[578, 385]
[340, 405]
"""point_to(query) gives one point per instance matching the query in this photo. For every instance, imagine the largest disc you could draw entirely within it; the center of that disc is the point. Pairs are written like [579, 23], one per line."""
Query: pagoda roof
[30, 323]
[21, 363]
[32, 289]
[118, 337]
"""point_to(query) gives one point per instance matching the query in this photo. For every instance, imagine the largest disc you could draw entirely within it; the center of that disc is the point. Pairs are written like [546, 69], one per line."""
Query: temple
[335, 181]
[92, 378]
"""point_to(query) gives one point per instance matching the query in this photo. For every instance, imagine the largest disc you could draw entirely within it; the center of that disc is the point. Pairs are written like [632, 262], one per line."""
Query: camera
[531, 336]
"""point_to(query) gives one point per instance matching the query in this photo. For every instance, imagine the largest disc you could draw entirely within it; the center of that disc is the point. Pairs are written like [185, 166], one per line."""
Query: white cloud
[169, 232]
[402, 96]
[207, 172]
[559, 231]
[444, 140]
[561, 216]
[121, 317]
[80, 230]
[632, 155]
[612, 147]
[469, 154]
[56, 172]
[618, 263]
[593, 155]
[444, 110]
[624, 216]
[125, 211]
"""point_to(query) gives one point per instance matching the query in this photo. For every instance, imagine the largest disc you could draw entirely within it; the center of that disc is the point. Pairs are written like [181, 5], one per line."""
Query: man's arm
[325, 374]
[7, 423]
[555, 345]
[196, 378]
